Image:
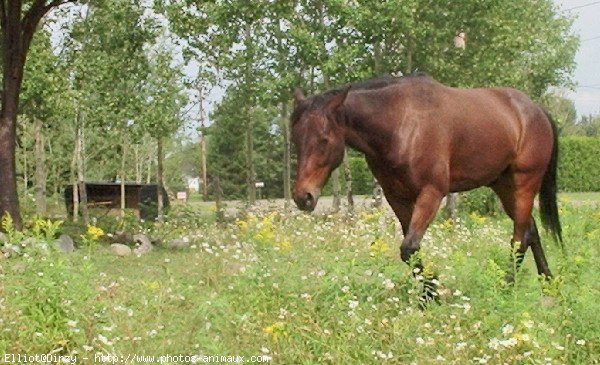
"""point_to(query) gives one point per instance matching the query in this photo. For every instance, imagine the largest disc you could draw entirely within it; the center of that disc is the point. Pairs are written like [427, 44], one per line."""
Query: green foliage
[579, 165]
[44, 299]
[226, 148]
[481, 201]
[13, 236]
[563, 111]
[46, 229]
[588, 125]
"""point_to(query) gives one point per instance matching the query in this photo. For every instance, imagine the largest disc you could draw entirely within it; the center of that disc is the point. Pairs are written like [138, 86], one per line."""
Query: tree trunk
[40, 170]
[250, 174]
[204, 171]
[377, 59]
[409, 55]
[81, 174]
[122, 177]
[218, 197]
[160, 178]
[203, 168]
[287, 166]
[348, 173]
[13, 58]
[377, 194]
[9, 199]
[25, 170]
[149, 171]
[451, 207]
[17, 27]
[138, 165]
[74, 182]
[336, 187]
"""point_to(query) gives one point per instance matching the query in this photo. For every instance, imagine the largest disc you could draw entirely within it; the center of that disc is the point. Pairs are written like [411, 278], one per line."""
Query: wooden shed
[106, 196]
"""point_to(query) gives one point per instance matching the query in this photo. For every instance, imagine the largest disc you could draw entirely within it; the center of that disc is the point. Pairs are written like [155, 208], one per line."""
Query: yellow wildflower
[243, 225]
[380, 245]
[275, 330]
[477, 218]
[285, 245]
[94, 232]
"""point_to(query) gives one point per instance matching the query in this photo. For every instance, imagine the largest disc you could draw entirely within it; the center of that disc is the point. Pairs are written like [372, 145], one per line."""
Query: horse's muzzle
[305, 201]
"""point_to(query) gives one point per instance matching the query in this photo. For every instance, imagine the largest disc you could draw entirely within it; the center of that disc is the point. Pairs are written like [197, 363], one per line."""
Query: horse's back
[472, 135]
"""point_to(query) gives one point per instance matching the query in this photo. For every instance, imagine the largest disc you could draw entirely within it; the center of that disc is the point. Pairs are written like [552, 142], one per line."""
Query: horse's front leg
[425, 209]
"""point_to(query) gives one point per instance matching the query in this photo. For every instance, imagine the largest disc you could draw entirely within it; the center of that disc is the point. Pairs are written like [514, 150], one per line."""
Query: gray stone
[65, 244]
[30, 242]
[12, 250]
[123, 237]
[120, 249]
[19, 267]
[145, 245]
[548, 301]
[179, 243]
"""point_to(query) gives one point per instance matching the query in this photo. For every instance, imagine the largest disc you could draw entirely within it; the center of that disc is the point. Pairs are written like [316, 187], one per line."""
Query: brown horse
[422, 140]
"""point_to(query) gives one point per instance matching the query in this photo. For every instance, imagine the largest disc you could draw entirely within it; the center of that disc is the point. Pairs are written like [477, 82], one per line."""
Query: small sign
[259, 184]
[181, 195]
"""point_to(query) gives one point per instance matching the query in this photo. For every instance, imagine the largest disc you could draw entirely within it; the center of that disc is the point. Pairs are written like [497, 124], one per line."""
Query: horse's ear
[298, 96]
[337, 100]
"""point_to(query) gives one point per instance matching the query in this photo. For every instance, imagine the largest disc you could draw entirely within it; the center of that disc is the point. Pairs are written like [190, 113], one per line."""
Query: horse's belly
[475, 173]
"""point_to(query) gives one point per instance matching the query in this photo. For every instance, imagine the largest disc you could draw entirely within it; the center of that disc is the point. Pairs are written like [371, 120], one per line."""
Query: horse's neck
[364, 131]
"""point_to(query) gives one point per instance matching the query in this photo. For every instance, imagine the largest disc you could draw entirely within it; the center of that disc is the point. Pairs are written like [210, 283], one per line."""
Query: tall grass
[310, 290]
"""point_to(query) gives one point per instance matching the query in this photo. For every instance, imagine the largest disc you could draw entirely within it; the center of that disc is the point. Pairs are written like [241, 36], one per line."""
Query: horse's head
[319, 140]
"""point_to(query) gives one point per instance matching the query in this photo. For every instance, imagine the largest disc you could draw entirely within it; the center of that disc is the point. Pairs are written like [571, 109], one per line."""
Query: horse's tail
[548, 206]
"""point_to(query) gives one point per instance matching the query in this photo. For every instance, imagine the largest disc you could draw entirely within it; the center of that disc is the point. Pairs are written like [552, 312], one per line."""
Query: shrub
[579, 164]
[482, 201]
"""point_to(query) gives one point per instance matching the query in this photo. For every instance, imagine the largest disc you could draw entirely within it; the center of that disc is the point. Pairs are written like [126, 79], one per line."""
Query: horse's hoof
[509, 278]
[429, 296]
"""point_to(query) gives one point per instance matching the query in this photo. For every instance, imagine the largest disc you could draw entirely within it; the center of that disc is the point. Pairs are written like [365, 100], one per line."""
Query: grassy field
[300, 289]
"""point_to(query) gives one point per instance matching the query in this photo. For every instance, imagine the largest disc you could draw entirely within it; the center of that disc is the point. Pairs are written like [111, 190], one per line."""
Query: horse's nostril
[308, 200]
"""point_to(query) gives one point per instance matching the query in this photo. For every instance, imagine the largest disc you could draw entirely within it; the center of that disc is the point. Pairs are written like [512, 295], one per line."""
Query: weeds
[306, 289]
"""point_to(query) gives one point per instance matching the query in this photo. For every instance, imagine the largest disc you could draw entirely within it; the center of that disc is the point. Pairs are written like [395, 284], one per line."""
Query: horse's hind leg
[533, 237]
[517, 192]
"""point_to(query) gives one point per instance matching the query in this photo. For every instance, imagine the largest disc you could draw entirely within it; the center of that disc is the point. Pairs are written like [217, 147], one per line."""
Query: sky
[587, 74]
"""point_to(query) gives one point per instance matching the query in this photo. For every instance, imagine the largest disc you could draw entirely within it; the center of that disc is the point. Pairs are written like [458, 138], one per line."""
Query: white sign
[259, 184]
[181, 195]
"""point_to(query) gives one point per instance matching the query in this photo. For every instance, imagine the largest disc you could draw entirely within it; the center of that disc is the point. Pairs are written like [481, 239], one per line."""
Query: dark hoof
[509, 278]
[430, 295]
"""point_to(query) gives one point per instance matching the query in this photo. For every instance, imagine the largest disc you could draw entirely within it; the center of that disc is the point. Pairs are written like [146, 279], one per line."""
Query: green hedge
[579, 164]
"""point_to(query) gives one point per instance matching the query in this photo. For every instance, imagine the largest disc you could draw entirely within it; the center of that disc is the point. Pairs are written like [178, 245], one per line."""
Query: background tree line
[104, 91]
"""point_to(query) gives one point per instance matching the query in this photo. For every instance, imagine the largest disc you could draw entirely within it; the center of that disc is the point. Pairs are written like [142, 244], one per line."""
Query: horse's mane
[318, 100]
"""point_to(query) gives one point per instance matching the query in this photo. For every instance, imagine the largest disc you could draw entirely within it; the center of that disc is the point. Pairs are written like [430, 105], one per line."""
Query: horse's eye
[323, 142]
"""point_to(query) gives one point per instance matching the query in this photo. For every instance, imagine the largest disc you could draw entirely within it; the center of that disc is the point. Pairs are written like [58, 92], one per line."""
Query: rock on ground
[65, 243]
[145, 245]
[120, 249]
[179, 243]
